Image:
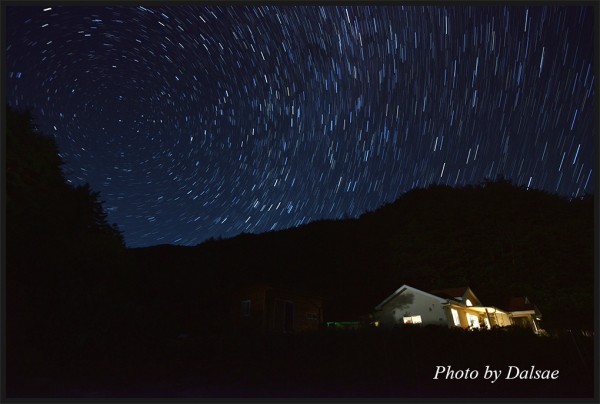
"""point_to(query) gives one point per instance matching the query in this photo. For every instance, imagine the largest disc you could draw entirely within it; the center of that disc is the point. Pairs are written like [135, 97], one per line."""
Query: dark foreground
[371, 363]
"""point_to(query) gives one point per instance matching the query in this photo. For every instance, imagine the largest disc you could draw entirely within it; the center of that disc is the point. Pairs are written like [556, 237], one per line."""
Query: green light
[342, 323]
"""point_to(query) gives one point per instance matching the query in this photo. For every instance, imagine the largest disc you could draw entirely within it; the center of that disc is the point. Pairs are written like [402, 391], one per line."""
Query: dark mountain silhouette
[498, 238]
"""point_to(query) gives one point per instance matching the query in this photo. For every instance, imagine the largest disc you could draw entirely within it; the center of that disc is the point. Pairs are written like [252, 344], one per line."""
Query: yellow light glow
[412, 320]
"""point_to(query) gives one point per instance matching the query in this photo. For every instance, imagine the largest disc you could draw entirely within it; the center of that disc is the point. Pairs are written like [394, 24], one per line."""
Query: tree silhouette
[63, 257]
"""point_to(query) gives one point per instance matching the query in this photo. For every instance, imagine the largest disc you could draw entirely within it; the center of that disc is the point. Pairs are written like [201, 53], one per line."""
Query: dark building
[525, 314]
[269, 309]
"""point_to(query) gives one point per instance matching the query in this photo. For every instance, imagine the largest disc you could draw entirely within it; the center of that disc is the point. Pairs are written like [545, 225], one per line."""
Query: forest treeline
[64, 261]
[73, 289]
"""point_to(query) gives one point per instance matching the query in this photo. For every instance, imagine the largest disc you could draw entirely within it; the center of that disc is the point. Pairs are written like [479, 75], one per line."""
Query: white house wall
[411, 303]
[502, 319]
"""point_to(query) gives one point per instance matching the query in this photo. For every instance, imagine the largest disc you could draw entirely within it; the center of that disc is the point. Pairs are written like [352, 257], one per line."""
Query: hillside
[500, 239]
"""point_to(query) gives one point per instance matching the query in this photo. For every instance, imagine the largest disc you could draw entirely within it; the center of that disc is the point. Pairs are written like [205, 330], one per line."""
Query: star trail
[209, 121]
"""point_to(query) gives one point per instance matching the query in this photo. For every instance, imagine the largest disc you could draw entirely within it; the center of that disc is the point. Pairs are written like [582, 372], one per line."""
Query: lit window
[412, 320]
[246, 308]
[455, 317]
[473, 320]
[468, 302]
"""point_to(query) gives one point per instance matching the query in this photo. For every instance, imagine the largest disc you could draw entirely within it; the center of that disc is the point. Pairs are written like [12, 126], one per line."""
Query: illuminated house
[265, 308]
[456, 307]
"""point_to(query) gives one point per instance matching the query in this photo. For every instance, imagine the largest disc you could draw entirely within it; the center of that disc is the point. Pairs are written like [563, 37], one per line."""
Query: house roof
[520, 303]
[264, 286]
[406, 287]
[450, 292]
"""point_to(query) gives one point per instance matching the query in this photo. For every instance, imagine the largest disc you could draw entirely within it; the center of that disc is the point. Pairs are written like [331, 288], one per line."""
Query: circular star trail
[209, 121]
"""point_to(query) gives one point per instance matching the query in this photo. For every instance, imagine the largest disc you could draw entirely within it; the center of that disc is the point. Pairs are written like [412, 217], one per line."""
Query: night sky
[196, 122]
